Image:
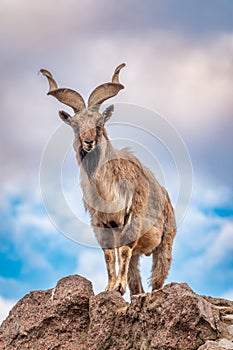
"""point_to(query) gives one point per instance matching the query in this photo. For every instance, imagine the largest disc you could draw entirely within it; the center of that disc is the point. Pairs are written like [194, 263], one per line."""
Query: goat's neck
[108, 152]
[92, 162]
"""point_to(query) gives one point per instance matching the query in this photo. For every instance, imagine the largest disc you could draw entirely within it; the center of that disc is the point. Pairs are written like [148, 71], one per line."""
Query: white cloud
[33, 21]
[189, 82]
[28, 218]
[228, 295]
[210, 193]
[195, 233]
[222, 245]
[91, 265]
[202, 252]
[12, 288]
[5, 306]
[33, 238]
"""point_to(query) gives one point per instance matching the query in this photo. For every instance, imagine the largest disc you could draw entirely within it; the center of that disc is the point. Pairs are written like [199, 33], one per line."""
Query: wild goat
[130, 212]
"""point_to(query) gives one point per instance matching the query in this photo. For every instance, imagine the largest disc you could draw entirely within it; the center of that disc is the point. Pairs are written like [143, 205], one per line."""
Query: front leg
[110, 260]
[124, 256]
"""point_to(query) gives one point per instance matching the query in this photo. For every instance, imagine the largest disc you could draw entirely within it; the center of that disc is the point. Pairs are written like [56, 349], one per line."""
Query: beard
[90, 160]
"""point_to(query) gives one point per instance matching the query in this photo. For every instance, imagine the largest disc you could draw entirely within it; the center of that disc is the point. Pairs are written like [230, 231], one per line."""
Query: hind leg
[134, 278]
[162, 257]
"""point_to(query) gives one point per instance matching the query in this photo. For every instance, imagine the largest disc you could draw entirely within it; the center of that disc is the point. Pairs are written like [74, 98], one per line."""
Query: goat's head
[87, 122]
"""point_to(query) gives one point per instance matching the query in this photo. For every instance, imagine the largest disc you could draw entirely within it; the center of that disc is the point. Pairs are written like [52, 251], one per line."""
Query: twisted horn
[107, 90]
[115, 77]
[69, 97]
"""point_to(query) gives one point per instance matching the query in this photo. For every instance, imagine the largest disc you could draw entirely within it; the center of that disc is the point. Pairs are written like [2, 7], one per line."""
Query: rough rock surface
[71, 317]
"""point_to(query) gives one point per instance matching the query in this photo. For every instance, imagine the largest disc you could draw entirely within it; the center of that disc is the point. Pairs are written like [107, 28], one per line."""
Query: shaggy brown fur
[131, 213]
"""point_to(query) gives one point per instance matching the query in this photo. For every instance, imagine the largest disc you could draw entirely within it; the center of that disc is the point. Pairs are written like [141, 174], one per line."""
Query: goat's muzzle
[88, 145]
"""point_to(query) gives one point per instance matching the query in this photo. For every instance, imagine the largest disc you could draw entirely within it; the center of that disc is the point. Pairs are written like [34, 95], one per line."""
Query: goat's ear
[107, 113]
[65, 117]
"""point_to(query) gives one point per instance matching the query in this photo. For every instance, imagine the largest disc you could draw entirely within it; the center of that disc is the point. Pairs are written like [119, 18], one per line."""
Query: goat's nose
[89, 142]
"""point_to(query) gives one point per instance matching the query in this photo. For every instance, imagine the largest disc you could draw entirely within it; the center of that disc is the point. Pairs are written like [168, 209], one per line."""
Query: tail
[162, 258]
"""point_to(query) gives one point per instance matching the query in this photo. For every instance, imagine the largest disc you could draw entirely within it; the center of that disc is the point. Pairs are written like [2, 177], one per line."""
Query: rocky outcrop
[71, 317]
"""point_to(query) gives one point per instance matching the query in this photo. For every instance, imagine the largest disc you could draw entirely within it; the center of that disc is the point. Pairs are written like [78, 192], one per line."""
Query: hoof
[119, 288]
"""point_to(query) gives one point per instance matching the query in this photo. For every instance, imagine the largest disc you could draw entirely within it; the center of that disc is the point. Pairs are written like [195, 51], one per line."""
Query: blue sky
[179, 64]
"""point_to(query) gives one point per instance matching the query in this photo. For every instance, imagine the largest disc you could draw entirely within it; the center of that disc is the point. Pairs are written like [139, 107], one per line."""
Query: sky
[178, 76]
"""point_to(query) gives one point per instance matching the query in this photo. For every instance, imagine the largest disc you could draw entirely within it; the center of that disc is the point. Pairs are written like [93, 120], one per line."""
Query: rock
[211, 345]
[71, 317]
[105, 309]
[230, 330]
[53, 319]
[226, 344]
[217, 345]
